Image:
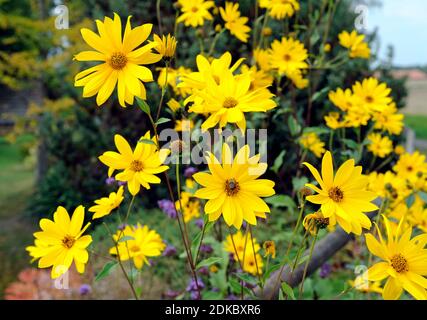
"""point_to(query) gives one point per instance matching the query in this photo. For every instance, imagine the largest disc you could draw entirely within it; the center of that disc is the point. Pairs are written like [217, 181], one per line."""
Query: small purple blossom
[195, 295]
[110, 180]
[171, 294]
[232, 297]
[188, 172]
[204, 271]
[206, 248]
[167, 207]
[170, 251]
[193, 287]
[199, 223]
[85, 289]
[325, 270]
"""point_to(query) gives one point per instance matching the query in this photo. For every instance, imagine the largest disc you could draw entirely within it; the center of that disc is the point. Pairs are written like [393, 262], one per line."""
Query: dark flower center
[231, 187]
[369, 99]
[136, 166]
[287, 57]
[399, 263]
[230, 102]
[68, 241]
[336, 194]
[118, 61]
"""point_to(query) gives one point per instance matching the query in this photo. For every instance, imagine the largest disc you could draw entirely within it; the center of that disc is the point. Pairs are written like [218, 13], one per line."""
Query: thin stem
[256, 262]
[159, 20]
[212, 48]
[164, 88]
[200, 244]
[301, 288]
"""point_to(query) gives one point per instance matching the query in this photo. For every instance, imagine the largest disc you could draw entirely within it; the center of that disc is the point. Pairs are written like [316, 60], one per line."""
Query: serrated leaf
[208, 262]
[143, 105]
[287, 290]
[106, 270]
[162, 120]
[147, 141]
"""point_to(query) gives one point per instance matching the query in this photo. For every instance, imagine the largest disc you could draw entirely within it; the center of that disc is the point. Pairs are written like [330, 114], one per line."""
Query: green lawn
[417, 123]
[16, 186]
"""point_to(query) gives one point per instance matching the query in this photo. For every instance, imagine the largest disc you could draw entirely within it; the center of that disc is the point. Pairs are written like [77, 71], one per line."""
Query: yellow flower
[327, 47]
[388, 185]
[363, 285]
[228, 100]
[142, 243]
[411, 166]
[389, 120]
[190, 206]
[404, 262]
[122, 61]
[288, 56]
[379, 146]
[184, 125]
[242, 249]
[356, 117]
[343, 197]
[355, 43]
[280, 9]
[215, 69]
[315, 221]
[233, 189]
[269, 248]
[213, 268]
[139, 166]
[259, 78]
[105, 205]
[372, 95]
[399, 150]
[333, 122]
[418, 215]
[61, 242]
[297, 79]
[174, 77]
[234, 22]
[195, 12]
[311, 141]
[262, 58]
[166, 46]
[344, 100]
[173, 105]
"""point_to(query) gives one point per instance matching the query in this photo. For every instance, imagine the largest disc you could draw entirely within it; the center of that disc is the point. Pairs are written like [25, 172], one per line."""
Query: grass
[418, 123]
[16, 186]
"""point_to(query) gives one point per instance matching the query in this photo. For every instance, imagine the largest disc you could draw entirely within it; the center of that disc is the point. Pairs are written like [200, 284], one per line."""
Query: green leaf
[278, 162]
[143, 105]
[281, 200]
[423, 195]
[126, 238]
[410, 200]
[351, 143]
[147, 141]
[294, 126]
[247, 278]
[162, 120]
[209, 261]
[320, 94]
[106, 270]
[287, 290]
[271, 269]
[236, 287]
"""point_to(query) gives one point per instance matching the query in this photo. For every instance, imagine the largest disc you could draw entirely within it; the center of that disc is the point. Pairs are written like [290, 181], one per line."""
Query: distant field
[417, 97]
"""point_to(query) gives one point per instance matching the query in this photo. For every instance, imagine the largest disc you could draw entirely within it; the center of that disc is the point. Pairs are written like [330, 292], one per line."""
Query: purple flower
[122, 226]
[232, 297]
[195, 295]
[199, 223]
[204, 271]
[171, 294]
[193, 287]
[85, 289]
[170, 251]
[325, 270]
[110, 180]
[121, 183]
[167, 207]
[188, 172]
[206, 248]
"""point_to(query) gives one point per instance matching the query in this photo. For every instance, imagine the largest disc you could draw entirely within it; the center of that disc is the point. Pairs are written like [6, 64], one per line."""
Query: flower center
[194, 9]
[231, 187]
[230, 102]
[322, 223]
[399, 263]
[134, 248]
[136, 166]
[369, 99]
[336, 194]
[217, 79]
[118, 60]
[410, 168]
[68, 241]
[287, 57]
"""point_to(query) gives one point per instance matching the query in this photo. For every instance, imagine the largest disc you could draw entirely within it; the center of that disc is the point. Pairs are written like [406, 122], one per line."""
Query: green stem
[164, 88]
[301, 288]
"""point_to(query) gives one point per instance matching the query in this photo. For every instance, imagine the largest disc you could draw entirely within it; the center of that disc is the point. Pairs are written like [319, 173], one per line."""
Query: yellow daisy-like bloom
[139, 166]
[389, 120]
[365, 286]
[122, 61]
[404, 262]
[380, 146]
[234, 22]
[233, 189]
[298, 79]
[280, 9]
[105, 205]
[215, 69]
[259, 78]
[195, 12]
[342, 99]
[418, 216]
[288, 56]
[242, 244]
[311, 141]
[388, 185]
[61, 242]
[356, 117]
[314, 222]
[372, 95]
[166, 46]
[174, 77]
[262, 58]
[228, 100]
[142, 243]
[332, 120]
[190, 206]
[411, 166]
[399, 150]
[269, 248]
[343, 196]
[353, 41]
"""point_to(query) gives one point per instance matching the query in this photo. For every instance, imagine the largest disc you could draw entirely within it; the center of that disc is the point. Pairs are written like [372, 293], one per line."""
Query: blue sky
[404, 25]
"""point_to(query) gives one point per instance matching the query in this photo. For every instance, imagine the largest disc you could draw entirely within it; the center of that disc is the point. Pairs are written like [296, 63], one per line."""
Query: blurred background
[50, 136]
